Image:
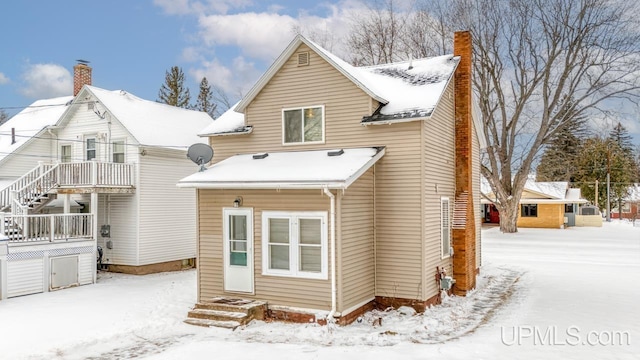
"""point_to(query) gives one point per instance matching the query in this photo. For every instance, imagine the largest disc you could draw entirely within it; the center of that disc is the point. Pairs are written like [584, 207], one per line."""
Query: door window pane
[238, 240]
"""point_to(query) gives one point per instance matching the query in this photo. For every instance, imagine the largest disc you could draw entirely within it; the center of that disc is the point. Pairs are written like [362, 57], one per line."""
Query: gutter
[334, 290]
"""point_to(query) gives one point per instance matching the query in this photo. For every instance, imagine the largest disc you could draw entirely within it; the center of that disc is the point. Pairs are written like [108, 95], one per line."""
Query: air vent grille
[303, 58]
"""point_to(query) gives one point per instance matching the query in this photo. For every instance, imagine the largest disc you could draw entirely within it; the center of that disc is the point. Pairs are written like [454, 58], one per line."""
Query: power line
[97, 142]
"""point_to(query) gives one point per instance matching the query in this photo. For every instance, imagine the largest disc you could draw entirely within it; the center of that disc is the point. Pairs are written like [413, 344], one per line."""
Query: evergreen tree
[558, 162]
[173, 92]
[204, 101]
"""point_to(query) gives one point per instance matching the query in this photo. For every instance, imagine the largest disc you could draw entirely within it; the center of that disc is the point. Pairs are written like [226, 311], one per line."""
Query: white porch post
[94, 230]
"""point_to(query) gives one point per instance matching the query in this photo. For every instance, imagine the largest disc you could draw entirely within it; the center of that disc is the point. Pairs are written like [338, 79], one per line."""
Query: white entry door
[238, 250]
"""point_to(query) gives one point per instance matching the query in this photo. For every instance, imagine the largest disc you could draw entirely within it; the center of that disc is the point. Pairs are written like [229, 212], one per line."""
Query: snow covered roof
[31, 121]
[408, 90]
[335, 169]
[229, 123]
[152, 123]
[550, 192]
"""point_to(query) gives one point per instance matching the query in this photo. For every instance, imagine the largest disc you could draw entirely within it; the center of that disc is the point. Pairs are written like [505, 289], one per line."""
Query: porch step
[223, 311]
[210, 323]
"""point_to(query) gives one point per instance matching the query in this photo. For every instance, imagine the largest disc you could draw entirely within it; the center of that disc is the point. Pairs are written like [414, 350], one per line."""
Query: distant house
[335, 188]
[542, 205]
[630, 208]
[98, 168]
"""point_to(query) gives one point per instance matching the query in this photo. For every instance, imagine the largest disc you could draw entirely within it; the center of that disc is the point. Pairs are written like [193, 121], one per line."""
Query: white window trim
[284, 143]
[444, 255]
[61, 145]
[293, 271]
[124, 149]
[84, 147]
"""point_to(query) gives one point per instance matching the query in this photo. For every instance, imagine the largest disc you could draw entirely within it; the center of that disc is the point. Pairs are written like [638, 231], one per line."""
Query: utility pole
[608, 202]
[597, 195]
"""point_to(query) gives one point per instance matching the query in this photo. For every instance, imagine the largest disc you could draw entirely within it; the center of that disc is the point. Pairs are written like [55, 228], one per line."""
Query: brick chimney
[464, 226]
[81, 76]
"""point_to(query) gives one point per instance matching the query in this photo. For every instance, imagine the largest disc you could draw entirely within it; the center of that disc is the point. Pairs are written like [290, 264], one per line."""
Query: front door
[238, 250]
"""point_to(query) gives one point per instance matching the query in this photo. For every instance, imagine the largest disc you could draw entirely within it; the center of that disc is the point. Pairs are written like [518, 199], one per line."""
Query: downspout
[334, 290]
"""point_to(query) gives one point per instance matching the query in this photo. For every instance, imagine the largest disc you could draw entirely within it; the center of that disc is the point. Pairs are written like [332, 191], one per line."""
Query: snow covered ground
[542, 294]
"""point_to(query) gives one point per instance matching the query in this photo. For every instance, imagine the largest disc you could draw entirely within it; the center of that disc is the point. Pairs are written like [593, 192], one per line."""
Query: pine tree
[558, 162]
[204, 101]
[173, 92]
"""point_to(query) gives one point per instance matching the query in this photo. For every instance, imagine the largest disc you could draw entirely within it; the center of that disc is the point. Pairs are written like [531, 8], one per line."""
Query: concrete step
[210, 323]
[218, 315]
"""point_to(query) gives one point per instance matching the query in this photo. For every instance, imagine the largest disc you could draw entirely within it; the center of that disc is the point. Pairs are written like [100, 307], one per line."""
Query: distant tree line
[582, 158]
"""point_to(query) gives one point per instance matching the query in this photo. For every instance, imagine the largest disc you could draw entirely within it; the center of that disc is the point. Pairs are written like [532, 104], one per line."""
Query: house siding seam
[398, 173]
[439, 181]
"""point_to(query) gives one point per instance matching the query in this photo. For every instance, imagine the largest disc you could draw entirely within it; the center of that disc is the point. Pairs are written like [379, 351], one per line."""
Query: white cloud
[3, 79]
[46, 80]
[257, 35]
[235, 80]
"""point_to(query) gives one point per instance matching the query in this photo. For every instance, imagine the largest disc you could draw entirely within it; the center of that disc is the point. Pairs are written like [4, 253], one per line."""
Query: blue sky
[131, 44]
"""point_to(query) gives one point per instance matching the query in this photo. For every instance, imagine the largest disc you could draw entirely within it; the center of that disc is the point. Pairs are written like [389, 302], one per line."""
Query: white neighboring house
[99, 168]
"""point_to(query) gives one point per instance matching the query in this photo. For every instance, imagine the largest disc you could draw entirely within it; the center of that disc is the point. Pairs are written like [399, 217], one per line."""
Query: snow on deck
[294, 169]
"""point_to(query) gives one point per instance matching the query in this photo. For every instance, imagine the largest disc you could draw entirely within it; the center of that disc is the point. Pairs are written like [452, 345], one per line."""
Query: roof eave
[264, 185]
[283, 57]
[229, 133]
[394, 121]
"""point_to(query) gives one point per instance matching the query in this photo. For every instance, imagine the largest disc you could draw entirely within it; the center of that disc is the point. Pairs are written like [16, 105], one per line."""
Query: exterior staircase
[226, 312]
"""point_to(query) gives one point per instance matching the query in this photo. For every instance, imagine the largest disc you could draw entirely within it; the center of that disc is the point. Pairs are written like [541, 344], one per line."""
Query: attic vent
[335, 153]
[303, 58]
[260, 156]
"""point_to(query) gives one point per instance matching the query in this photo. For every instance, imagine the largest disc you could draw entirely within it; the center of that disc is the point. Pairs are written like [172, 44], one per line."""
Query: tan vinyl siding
[357, 263]
[398, 173]
[286, 291]
[439, 181]
[167, 224]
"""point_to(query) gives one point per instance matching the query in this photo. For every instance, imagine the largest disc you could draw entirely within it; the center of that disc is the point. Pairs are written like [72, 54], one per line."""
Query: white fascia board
[263, 185]
[364, 169]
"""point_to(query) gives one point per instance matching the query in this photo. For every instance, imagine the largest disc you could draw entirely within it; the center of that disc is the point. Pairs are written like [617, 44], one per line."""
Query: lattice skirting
[25, 255]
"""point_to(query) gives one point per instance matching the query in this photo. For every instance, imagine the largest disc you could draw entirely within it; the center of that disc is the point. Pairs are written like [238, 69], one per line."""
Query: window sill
[310, 276]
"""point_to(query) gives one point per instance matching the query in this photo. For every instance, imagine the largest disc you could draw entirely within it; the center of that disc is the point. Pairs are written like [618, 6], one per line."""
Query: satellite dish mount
[200, 154]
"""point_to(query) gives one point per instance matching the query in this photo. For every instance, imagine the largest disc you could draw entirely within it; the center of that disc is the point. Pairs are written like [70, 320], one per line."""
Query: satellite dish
[200, 154]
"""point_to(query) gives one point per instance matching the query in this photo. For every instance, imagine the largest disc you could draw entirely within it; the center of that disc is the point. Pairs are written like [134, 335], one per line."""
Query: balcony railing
[49, 228]
[95, 173]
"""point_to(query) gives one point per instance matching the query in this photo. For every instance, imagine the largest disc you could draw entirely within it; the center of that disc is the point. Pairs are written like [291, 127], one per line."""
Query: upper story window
[65, 153]
[90, 149]
[303, 125]
[118, 151]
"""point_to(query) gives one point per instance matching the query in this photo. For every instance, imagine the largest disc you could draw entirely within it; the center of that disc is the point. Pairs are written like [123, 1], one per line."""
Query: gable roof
[30, 122]
[316, 169]
[151, 123]
[408, 89]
